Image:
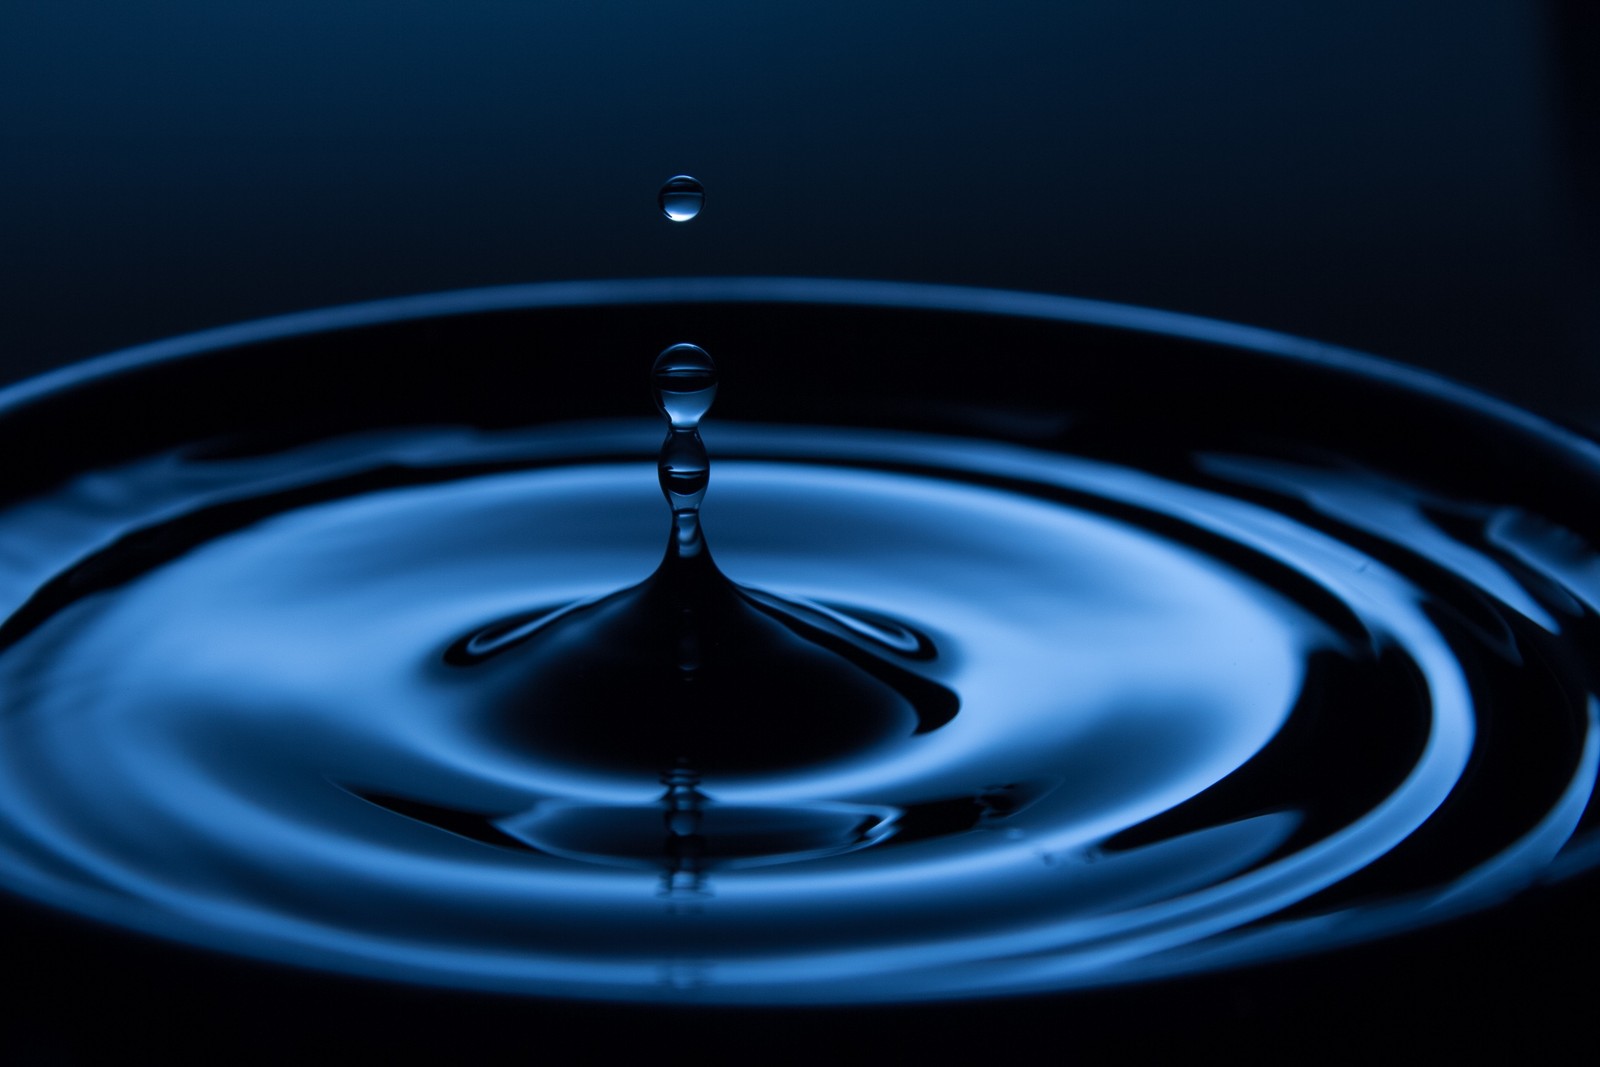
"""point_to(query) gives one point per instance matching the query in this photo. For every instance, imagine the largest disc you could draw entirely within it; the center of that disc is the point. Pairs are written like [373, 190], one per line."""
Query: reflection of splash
[689, 831]
[684, 886]
[683, 876]
[685, 974]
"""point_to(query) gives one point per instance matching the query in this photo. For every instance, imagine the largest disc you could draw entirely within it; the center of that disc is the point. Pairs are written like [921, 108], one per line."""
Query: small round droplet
[681, 197]
[684, 468]
[684, 381]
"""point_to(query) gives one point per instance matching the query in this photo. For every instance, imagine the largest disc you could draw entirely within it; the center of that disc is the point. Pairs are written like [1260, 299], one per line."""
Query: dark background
[1416, 179]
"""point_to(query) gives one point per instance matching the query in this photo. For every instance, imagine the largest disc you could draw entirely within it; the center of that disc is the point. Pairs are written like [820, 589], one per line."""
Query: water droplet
[684, 381]
[685, 469]
[681, 197]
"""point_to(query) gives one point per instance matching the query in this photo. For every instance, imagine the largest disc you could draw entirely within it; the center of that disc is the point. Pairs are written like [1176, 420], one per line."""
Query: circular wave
[1214, 711]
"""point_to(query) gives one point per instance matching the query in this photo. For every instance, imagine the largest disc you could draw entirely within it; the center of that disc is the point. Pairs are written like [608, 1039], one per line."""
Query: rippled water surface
[1251, 706]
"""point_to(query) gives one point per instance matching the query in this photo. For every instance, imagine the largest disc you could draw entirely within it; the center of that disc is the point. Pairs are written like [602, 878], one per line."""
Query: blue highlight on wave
[254, 745]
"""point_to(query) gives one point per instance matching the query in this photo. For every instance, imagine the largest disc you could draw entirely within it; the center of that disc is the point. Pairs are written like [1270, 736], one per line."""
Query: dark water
[965, 716]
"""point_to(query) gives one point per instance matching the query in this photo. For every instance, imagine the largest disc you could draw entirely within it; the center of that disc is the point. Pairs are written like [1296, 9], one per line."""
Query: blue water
[1202, 719]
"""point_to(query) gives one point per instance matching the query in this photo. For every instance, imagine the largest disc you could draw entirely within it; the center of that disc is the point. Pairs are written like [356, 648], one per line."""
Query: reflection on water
[1201, 719]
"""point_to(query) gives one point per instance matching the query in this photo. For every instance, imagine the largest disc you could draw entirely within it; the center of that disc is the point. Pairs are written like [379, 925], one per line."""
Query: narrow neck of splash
[687, 542]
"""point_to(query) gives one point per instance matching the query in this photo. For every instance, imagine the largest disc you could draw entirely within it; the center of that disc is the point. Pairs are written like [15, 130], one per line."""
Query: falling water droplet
[681, 197]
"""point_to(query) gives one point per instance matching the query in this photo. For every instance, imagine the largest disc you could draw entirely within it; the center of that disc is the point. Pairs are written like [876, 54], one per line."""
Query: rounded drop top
[684, 381]
[681, 197]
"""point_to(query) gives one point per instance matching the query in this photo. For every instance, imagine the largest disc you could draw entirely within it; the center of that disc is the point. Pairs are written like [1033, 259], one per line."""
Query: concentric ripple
[1252, 706]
